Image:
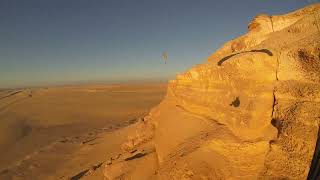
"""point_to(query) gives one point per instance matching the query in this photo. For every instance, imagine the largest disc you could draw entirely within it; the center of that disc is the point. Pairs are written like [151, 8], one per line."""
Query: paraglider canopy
[165, 57]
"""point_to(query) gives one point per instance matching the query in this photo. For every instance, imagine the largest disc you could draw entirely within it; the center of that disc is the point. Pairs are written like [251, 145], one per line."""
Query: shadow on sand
[139, 155]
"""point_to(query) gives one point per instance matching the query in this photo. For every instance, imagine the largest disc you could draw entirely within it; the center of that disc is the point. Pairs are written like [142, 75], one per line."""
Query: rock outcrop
[251, 111]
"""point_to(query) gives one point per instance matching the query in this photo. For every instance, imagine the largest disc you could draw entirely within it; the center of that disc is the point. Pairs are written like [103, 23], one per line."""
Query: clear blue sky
[63, 41]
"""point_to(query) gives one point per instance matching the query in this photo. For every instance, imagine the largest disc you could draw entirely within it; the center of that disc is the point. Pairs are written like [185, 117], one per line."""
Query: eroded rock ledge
[251, 111]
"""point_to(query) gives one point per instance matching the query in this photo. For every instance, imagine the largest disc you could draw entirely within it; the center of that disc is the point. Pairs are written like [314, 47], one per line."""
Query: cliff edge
[251, 111]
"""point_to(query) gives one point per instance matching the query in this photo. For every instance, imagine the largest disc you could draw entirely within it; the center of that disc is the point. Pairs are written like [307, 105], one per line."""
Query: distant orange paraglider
[165, 57]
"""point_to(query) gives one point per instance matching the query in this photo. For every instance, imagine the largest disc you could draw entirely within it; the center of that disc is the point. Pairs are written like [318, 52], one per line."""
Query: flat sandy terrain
[59, 132]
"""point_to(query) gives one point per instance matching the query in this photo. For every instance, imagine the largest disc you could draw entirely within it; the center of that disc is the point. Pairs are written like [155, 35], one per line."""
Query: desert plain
[65, 132]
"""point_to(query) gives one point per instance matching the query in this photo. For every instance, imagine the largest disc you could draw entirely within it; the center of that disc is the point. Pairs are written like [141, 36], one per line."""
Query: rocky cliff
[251, 111]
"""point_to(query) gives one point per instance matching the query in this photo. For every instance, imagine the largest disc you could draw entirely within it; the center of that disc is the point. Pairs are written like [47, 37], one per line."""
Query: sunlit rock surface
[251, 111]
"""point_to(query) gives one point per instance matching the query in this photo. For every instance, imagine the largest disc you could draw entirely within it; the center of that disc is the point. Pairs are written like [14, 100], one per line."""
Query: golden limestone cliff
[251, 111]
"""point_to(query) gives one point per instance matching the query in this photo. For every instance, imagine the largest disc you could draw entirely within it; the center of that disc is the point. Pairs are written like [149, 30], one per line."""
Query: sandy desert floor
[68, 132]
